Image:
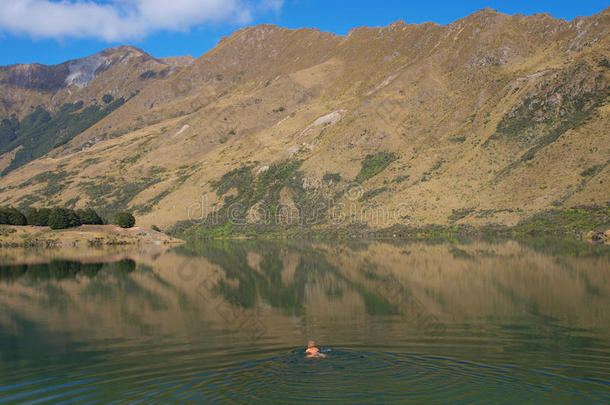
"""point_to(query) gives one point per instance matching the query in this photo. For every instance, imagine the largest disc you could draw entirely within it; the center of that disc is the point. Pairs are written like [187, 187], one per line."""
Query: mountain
[489, 119]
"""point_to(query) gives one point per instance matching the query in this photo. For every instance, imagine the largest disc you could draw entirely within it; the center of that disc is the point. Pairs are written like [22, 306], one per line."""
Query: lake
[228, 322]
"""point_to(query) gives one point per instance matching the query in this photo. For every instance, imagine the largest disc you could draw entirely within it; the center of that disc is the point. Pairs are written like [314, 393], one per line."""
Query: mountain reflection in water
[478, 322]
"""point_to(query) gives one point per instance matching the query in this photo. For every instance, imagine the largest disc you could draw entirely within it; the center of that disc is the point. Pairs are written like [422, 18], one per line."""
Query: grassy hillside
[40, 131]
[489, 120]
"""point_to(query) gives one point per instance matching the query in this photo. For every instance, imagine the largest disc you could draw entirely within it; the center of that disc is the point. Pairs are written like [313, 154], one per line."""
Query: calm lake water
[227, 322]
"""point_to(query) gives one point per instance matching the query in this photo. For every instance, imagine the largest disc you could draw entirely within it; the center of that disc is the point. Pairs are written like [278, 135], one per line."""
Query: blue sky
[53, 31]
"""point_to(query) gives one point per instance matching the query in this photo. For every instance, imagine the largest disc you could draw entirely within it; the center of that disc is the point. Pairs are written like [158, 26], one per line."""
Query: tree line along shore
[62, 218]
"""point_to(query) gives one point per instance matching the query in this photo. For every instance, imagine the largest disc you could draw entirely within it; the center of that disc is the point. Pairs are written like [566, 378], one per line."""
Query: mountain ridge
[484, 106]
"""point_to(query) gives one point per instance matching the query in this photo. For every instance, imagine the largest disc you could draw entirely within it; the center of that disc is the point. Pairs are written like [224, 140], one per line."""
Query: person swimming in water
[312, 350]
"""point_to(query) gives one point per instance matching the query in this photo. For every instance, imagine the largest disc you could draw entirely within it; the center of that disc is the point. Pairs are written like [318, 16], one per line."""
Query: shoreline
[584, 223]
[12, 236]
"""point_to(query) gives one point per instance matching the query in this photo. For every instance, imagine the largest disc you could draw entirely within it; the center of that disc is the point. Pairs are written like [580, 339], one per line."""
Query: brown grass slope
[492, 118]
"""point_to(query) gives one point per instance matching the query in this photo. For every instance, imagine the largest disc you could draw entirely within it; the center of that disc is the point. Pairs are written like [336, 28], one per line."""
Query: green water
[227, 322]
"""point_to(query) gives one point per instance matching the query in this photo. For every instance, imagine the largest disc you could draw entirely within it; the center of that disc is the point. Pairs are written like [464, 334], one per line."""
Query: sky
[53, 31]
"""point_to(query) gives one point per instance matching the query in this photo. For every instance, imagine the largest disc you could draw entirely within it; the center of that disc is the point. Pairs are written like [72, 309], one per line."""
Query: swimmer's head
[311, 343]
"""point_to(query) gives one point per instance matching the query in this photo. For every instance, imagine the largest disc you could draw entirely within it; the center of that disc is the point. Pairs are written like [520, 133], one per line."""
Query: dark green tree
[62, 218]
[12, 216]
[107, 98]
[43, 216]
[124, 219]
[16, 217]
[38, 217]
[31, 215]
[89, 216]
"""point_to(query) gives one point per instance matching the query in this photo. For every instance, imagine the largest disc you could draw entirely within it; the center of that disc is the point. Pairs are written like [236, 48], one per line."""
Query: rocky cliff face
[488, 119]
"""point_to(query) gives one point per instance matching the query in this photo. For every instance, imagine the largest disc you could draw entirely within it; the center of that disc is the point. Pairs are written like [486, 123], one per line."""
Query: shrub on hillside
[62, 218]
[89, 216]
[11, 216]
[331, 177]
[107, 98]
[124, 219]
[372, 165]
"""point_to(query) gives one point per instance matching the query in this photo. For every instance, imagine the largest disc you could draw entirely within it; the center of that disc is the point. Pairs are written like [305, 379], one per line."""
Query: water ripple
[346, 375]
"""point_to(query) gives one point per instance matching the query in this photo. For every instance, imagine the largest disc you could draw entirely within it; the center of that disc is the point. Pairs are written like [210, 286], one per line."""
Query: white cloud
[274, 5]
[116, 20]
